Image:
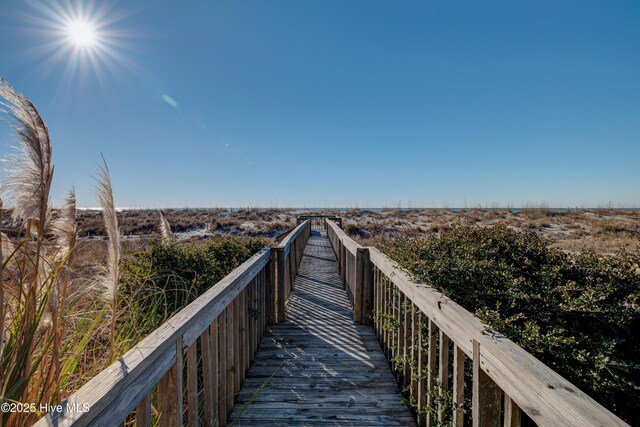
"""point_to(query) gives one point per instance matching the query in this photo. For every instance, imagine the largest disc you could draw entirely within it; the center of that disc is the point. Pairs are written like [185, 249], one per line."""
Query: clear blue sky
[337, 103]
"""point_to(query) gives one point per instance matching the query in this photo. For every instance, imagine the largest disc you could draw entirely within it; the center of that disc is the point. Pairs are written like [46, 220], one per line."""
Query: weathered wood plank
[414, 354]
[170, 392]
[406, 353]
[367, 293]
[458, 386]
[443, 372]
[281, 278]
[271, 292]
[422, 367]
[192, 386]
[358, 295]
[208, 381]
[377, 295]
[402, 347]
[512, 415]
[487, 396]
[244, 336]
[222, 368]
[143, 412]
[395, 316]
[229, 347]
[384, 330]
[237, 353]
[431, 373]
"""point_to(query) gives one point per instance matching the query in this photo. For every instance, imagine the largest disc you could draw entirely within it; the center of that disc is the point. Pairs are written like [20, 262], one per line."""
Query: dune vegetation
[579, 313]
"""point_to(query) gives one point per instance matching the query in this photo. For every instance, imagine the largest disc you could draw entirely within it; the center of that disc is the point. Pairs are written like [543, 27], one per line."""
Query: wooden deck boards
[319, 367]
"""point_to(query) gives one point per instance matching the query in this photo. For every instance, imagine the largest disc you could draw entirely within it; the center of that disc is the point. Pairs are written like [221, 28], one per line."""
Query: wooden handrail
[352, 259]
[228, 321]
[284, 234]
[286, 259]
[318, 221]
[294, 234]
[403, 310]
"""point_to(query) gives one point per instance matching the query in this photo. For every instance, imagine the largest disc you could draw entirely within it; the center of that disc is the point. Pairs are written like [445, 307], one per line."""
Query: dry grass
[602, 230]
[144, 222]
[56, 327]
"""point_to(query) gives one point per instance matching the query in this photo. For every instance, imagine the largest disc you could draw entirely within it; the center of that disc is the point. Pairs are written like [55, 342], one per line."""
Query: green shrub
[579, 314]
[159, 279]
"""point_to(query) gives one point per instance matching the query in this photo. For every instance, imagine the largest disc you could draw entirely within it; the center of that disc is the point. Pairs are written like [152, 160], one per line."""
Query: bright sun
[86, 37]
[81, 34]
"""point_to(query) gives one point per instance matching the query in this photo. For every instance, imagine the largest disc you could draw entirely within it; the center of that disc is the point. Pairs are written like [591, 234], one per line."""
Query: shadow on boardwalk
[319, 367]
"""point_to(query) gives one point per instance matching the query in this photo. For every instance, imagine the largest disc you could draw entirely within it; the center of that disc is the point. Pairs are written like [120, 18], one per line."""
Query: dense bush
[159, 279]
[579, 313]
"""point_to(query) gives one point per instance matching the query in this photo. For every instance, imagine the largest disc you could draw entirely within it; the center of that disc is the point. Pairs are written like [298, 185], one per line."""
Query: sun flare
[81, 34]
[87, 38]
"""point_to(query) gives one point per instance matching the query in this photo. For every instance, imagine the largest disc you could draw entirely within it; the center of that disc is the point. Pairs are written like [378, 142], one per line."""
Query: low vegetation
[159, 278]
[579, 313]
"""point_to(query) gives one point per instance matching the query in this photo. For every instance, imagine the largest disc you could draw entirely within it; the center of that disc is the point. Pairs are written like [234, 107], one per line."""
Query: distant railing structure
[318, 222]
[428, 339]
[203, 352]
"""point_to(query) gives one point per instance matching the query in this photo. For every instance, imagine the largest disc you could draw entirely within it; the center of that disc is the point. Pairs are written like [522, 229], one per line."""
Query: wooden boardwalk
[319, 367]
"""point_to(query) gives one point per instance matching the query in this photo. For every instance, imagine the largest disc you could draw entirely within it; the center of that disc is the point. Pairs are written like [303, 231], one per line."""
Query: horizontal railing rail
[318, 221]
[429, 339]
[202, 353]
[287, 257]
[352, 258]
[278, 238]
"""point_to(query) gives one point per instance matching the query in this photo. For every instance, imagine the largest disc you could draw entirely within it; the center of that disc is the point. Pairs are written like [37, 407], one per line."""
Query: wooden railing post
[342, 263]
[293, 266]
[367, 289]
[170, 392]
[511, 413]
[192, 385]
[363, 288]
[271, 290]
[359, 286]
[280, 285]
[487, 396]
[143, 412]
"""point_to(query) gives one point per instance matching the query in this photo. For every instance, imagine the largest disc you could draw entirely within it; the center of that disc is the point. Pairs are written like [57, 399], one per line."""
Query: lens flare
[81, 41]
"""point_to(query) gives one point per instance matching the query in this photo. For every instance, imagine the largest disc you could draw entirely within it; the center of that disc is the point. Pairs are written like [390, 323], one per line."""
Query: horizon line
[347, 208]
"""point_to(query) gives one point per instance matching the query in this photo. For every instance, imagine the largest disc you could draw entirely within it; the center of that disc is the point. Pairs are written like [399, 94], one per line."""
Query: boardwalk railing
[352, 259]
[286, 257]
[429, 339]
[318, 221]
[198, 358]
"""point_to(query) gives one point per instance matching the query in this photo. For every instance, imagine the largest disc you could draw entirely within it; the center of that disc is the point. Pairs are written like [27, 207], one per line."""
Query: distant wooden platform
[319, 367]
